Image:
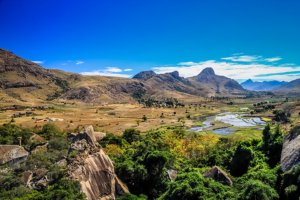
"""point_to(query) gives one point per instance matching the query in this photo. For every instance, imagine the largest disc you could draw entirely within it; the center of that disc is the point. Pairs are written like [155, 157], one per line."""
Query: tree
[266, 137]
[144, 118]
[281, 116]
[131, 135]
[272, 144]
[241, 160]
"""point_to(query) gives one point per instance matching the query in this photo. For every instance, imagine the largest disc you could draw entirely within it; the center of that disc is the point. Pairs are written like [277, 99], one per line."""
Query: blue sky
[240, 39]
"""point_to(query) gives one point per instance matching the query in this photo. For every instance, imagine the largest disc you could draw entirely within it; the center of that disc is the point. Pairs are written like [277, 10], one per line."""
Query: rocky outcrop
[144, 75]
[93, 168]
[12, 154]
[218, 175]
[290, 155]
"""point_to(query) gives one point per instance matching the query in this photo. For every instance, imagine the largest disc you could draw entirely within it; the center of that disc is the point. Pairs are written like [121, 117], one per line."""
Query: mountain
[290, 88]
[27, 82]
[215, 84]
[262, 86]
[24, 81]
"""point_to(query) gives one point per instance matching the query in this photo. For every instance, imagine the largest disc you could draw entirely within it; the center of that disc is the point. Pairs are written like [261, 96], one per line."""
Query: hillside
[24, 81]
[262, 86]
[291, 88]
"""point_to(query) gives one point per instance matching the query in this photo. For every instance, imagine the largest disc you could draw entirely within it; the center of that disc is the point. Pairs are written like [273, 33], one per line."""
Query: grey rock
[219, 175]
[290, 155]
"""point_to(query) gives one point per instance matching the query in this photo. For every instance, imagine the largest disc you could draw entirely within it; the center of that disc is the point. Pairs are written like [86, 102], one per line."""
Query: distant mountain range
[262, 86]
[26, 82]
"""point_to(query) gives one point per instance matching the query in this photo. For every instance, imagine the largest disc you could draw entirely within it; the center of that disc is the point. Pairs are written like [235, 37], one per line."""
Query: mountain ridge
[262, 86]
[25, 81]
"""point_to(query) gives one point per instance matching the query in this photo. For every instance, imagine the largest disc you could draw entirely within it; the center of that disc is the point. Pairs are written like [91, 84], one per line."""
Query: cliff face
[93, 168]
[290, 155]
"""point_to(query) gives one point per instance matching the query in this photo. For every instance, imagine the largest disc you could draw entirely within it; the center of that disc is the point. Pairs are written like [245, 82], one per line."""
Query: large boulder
[290, 155]
[218, 175]
[12, 154]
[93, 168]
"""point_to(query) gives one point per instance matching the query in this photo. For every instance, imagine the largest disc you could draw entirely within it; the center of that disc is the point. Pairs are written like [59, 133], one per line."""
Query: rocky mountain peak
[175, 74]
[207, 72]
[144, 75]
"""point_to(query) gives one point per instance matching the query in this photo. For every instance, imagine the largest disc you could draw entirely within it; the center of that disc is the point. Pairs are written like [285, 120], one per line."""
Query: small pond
[232, 119]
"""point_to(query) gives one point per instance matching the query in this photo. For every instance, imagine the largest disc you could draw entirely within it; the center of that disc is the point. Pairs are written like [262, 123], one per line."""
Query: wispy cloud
[254, 67]
[274, 59]
[127, 70]
[250, 58]
[113, 69]
[79, 62]
[109, 71]
[242, 58]
[38, 61]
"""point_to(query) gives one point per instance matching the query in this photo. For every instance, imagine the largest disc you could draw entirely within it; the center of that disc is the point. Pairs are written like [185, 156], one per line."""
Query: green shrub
[255, 189]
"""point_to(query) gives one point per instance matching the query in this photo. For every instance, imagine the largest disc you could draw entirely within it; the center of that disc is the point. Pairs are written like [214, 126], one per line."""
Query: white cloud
[38, 61]
[100, 73]
[127, 70]
[242, 58]
[238, 71]
[109, 71]
[79, 62]
[274, 59]
[113, 69]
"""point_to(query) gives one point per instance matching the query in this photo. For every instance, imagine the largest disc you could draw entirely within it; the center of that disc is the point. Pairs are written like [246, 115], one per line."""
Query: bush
[255, 189]
[193, 186]
[9, 134]
[50, 130]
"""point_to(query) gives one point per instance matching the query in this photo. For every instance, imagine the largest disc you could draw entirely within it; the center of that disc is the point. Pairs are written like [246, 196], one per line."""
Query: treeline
[143, 162]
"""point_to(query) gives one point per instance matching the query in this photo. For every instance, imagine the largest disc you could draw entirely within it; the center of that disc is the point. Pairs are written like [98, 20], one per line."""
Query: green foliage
[241, 159]
[255, 189]
[281, 116]
[132, 197]
[9, 134]
[193, 186]
[272, 144]
[131, 135]
[142, 161]
[112, 139]
[261, 172]
[50, 130]
[290, 186]
[64, 189]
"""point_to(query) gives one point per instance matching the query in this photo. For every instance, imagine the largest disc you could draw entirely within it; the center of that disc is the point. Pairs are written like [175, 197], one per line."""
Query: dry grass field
[115, 118]
[112, 118]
